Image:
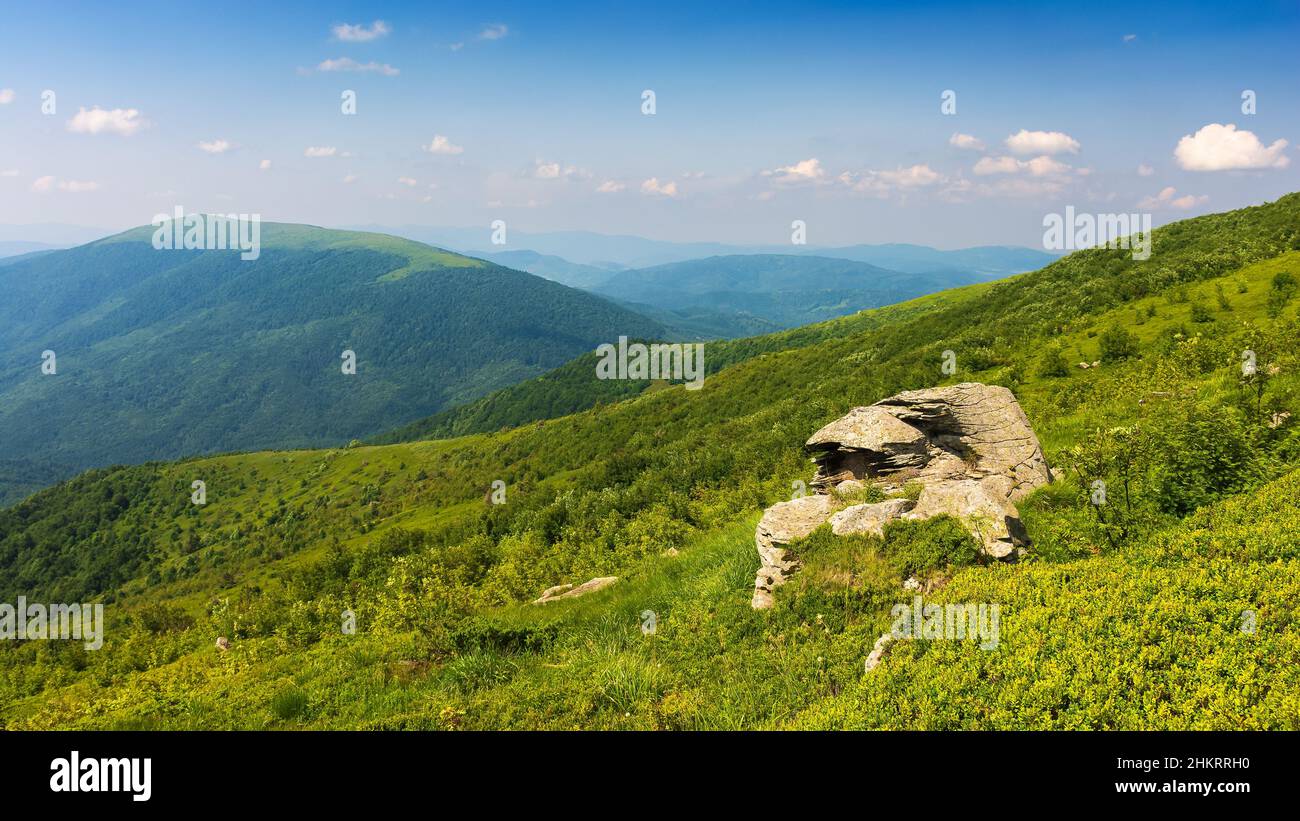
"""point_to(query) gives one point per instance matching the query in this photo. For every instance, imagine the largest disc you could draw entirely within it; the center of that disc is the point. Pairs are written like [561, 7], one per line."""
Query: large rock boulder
[869, 518]
[969, 446]
[983, 505]
[781, 524]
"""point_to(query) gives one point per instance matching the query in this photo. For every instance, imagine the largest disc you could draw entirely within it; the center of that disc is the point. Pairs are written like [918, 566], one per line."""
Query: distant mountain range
[15, 248]
[160, 354]
[615, 252]
[742, 294]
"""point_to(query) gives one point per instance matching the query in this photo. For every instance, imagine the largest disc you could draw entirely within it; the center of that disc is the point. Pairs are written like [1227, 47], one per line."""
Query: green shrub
[931, 544]
[1204, 452]
[1117, 344]
[289, 704]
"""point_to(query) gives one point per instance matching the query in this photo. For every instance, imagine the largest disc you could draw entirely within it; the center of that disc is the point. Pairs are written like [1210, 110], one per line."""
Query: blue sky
[765, 113]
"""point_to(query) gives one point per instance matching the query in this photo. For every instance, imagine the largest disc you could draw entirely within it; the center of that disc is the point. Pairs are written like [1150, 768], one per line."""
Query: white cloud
[264, 165]
[610, 187]
[494, 31]
[349, 179]
[1145, 170]
[442, 145]
[809, 170]
[360, 33]
[883, 183]
[1218, 147]
[348, 64]
[652, 186]
[7, 96]
[911, 177]
[217, 146]
[1167, 199]
[1042, 142]
[9, 172]
[1043, 166]
[320, 151]
[456, 46]
[1128, 38]
[997, 165]
[407, 181]
[966, 142]
[555, 171]
[123, 121]
[46, 184]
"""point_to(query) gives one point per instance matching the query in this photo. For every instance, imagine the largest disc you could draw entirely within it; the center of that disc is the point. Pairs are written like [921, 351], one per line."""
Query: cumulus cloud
[1043, 166]
[1218, 147]
[653, 187]
[966, 142]
[407, 181]
[349, 179]
[320, 151]
[804, 171]
[7, 96]
[9, 172]
[123, 121]
[883, 183]
[1167, 199]
[360, 33]
[348, 64]
[555, 171]
[1145, 170]
[442, 145]
[1128, 38]
[264, 165]
[1042, 142]
[46, 184]
[610, 187]
[217, 146]
[494, 31]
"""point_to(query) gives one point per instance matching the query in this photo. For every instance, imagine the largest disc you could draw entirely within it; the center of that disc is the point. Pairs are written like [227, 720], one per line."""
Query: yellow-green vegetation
[1169, 606]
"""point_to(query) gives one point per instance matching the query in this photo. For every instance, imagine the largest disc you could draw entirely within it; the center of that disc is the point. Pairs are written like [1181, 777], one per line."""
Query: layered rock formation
[968, 446]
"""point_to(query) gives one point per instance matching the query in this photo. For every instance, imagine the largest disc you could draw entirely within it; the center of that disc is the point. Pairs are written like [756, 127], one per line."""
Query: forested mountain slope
[162, 353]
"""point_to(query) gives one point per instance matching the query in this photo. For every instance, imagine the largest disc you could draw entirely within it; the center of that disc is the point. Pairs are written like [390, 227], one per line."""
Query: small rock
[568, 591]
[670, 552]
[850, 486]
[912, 583]
[878, 651]
[223, 643]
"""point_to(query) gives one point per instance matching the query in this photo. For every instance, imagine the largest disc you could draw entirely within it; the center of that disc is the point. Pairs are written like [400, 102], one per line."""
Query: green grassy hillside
[163, 353]
[1129, 619]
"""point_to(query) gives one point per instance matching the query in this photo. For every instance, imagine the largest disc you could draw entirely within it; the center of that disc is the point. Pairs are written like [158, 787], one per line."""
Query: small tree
[1117, 344]
[1108, 465]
